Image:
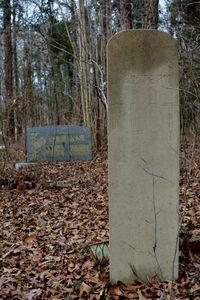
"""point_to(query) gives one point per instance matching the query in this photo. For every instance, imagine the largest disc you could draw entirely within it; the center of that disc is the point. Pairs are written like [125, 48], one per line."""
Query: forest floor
[45, 233]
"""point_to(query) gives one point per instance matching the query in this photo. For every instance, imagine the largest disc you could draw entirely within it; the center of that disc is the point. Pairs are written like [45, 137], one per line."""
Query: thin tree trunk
[151, 14]
[97, 78]
[126, 15]
[16, 74]
[108, 20]
[57, 117]
[8, 67]
[102, 113]
[84, 64]
[15, 60]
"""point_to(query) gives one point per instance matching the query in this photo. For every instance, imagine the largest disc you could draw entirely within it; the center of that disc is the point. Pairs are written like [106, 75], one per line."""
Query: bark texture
[8, 50]
[126, 15]
[10, 128]
[151, 14]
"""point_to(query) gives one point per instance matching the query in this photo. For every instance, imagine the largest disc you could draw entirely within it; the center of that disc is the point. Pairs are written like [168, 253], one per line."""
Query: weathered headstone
[143, 127]
[59, 143]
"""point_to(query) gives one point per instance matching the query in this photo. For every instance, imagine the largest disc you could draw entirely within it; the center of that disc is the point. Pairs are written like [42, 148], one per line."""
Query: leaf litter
[51, 213]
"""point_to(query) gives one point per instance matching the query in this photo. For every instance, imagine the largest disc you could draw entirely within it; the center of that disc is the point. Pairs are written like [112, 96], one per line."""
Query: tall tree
[59, 76]
[108, 20]
[15, 73]
[126, 14]
[184, 24]
[151, 14]
[8, 65]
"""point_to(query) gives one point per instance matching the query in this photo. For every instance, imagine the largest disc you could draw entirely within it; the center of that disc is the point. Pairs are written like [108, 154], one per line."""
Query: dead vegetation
[45, 232]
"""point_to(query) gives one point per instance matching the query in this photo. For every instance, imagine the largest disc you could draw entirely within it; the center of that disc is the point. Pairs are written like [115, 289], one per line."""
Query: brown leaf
[33, 294]
[29, 239]
[195, 287]
[21, 188]
[141, 297]
[85, 289]
[89, 264]
[116, 291]
[152, 280]
[133, 287]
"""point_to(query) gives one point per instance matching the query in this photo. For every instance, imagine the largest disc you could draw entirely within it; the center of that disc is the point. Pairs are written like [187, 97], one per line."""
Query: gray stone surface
[23, 164]
[143, 127]
[59, 143]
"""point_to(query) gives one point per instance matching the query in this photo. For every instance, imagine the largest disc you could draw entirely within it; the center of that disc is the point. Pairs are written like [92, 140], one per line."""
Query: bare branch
[102, 85]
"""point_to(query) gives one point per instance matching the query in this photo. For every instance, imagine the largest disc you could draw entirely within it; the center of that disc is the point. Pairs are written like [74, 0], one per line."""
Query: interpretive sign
[59, 143]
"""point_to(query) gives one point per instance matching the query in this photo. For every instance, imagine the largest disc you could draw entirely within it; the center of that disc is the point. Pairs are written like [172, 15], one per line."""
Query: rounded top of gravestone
[143, 49]
[145, 32]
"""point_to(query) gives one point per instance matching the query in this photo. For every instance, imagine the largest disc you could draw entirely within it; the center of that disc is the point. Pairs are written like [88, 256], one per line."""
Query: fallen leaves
[85, 290]
[29, 238]
[47, 228]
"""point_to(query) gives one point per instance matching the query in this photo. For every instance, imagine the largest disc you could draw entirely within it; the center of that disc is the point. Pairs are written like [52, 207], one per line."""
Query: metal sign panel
[59, 143]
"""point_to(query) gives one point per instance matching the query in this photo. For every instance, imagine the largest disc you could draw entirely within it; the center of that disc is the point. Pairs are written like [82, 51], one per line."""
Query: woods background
[53, 60]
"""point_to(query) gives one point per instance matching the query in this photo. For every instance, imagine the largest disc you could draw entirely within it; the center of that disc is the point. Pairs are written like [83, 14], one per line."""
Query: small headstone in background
[59, 143]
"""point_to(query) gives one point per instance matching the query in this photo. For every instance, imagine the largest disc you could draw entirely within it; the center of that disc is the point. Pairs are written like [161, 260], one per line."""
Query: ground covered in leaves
[51, 213]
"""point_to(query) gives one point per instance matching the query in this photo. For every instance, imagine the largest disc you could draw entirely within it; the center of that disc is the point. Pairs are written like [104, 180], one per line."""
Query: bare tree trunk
[84, 65]
[8, 66]
[15, 60]
[104, 39]
[151, 14]
[126, 15]
[16, 75]
[108, 20]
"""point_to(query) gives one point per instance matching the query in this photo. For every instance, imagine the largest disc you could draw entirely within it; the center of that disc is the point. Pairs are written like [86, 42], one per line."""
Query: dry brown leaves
[50, 213]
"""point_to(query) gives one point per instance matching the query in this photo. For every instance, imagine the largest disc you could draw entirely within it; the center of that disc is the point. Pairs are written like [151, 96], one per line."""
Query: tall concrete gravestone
[59, 143]
[143, 126]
